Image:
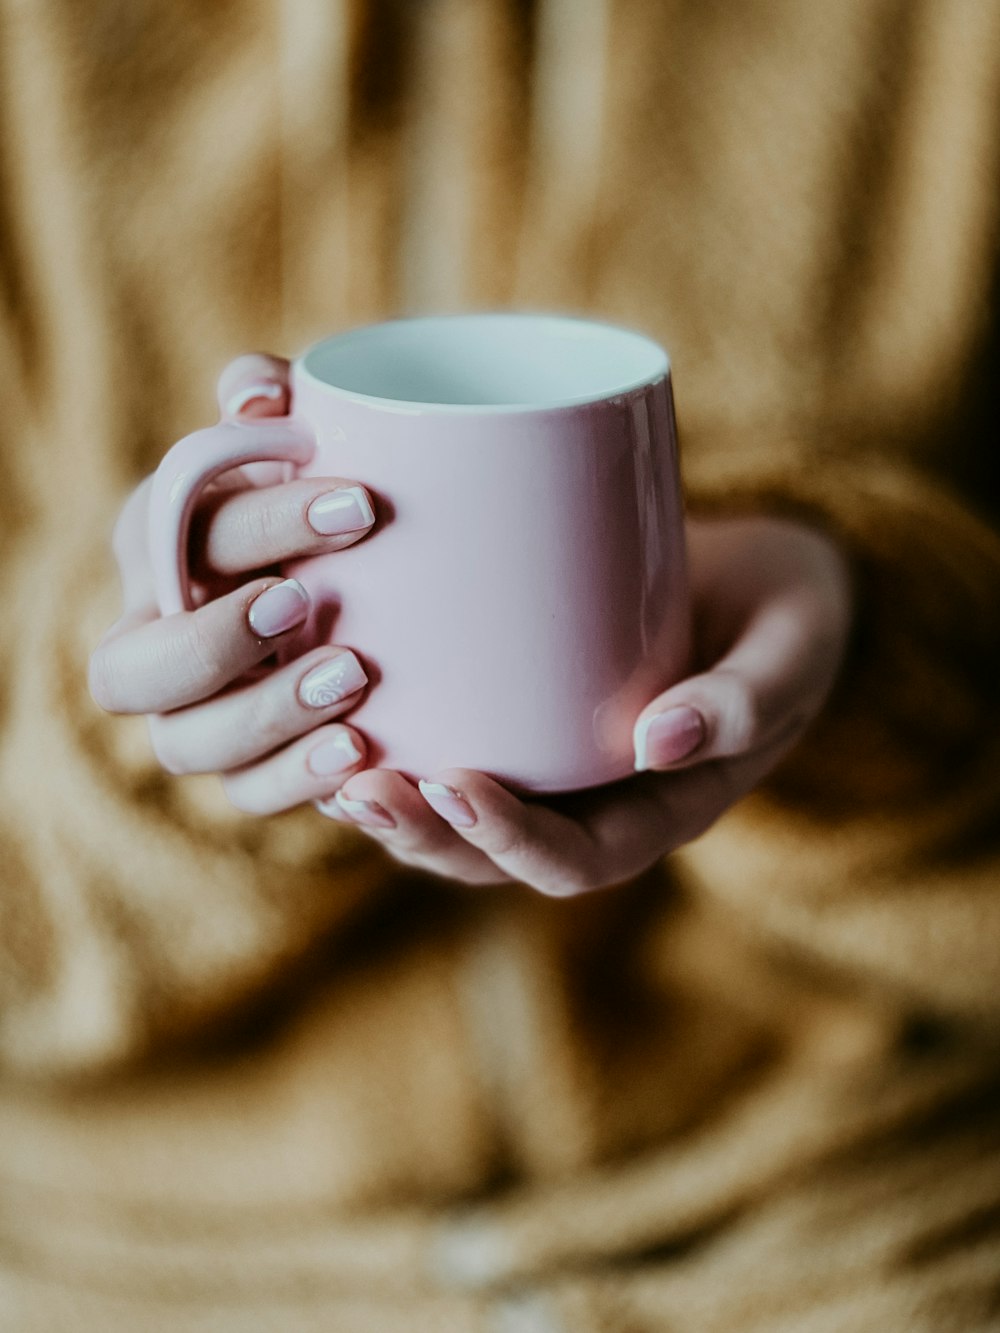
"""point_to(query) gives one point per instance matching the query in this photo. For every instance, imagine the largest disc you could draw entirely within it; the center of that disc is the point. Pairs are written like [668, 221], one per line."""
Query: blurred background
[756, 187]
[756, 1090]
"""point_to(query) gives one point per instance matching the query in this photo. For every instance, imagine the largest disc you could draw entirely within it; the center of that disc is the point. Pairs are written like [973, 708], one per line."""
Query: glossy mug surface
[523, 594]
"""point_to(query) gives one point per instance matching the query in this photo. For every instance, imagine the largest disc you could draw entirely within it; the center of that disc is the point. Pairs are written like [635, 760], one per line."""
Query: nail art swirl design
[332, 681]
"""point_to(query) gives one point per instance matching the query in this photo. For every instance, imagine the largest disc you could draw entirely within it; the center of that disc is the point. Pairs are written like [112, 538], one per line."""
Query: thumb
[766, 689]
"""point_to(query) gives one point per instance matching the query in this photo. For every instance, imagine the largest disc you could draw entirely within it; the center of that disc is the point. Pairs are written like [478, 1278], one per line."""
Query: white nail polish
[259, 389]
[449, 803]
[333, 755]
[332, 681]
[344, 510]
[369, 813]
[332, 810]
[673, 735]
[278, 609]
[639, 743]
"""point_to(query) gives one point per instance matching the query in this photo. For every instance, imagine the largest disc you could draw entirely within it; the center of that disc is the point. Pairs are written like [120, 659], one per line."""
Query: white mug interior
[495, 361]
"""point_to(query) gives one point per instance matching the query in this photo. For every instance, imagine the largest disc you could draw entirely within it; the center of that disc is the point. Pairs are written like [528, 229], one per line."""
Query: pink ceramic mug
[524, 593]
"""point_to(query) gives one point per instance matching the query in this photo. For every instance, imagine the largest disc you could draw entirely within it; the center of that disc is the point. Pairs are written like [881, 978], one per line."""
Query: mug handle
[184, 472]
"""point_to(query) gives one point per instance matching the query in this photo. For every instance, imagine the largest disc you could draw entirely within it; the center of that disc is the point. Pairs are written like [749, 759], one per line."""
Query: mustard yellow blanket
[253, 1076]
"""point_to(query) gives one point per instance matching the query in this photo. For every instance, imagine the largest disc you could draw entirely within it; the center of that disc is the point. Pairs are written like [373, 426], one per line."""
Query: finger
[239, 530]
[529, 840]
[130, 546]
[244, 724]
[769, 684]
[580, 842]
[172, 661]
[389, 807]
[255, 385]
[309, 769]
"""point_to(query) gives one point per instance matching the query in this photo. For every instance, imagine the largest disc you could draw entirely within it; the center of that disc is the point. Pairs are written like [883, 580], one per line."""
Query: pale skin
[773, 610]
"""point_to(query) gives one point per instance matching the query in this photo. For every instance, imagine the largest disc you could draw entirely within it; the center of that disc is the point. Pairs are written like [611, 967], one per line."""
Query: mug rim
[582, 325]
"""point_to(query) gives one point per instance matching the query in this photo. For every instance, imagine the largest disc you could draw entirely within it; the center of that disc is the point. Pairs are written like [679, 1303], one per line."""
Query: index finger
[529, 840]
[581, 841]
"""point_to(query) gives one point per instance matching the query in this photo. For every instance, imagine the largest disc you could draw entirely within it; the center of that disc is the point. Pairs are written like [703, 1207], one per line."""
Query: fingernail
[261, 391]
[278, 609]
[666, 737]
[344, 510]
[333, 755]
[449, 804]
[365, 812]
[332, 681]
[332, 810]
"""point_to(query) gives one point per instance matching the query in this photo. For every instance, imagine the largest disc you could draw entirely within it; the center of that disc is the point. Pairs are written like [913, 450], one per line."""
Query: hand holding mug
[273, 739]
[524, 590]
[772, 610]
[772, 605]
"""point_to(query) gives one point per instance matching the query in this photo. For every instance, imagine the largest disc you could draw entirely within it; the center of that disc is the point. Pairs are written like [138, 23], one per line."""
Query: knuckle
[200, 653]
[581, 870]
[274, 717]
[272, 729]
[505, 842]
[259, 523]
[512, 846]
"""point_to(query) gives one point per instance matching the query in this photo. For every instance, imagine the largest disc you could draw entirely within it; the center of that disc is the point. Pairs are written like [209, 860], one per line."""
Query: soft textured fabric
[256, 1076]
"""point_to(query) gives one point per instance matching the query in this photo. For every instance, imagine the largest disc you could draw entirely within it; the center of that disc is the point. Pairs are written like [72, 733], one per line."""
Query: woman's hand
[772, 614]
[273, 738]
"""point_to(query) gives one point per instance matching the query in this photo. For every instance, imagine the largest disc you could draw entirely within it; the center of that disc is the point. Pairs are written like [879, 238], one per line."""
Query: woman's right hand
[273, 738]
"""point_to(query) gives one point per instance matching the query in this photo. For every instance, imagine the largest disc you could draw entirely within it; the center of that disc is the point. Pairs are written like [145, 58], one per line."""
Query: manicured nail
[366, 812]
[333, 755]
[332, 681]
[260, 391]
[449, 804]
[278, 609]
[344, 510]
[332, 810]
[666, 737]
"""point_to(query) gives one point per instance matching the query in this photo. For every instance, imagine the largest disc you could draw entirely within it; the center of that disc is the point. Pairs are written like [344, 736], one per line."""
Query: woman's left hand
[772, 612]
